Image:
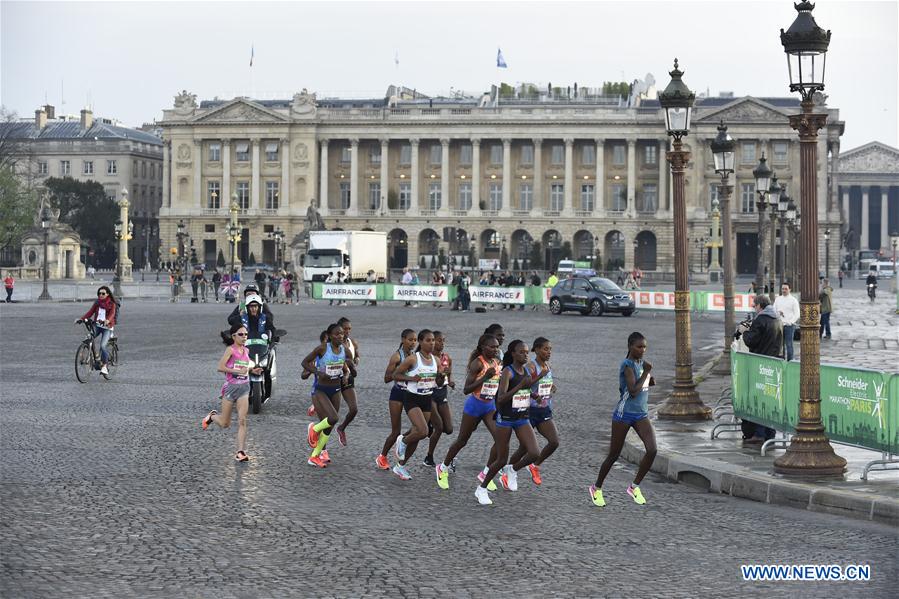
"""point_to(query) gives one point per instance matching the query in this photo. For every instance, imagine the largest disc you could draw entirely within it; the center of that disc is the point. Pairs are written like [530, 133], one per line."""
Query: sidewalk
[863, 336]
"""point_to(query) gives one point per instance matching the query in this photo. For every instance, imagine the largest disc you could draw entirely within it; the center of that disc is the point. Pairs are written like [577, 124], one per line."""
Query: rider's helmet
[250, 288]
[253, 299]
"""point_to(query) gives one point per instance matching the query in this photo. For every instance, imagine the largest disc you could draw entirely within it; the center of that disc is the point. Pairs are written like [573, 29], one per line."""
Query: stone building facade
[869, 195]
[588, 172]
[95, 149]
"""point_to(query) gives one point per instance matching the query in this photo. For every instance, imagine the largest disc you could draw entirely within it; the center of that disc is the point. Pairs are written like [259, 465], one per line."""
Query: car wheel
[555, 306]
[596, 308]
[627, 312]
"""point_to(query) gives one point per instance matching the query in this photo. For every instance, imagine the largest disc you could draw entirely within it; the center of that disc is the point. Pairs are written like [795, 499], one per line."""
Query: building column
[284, 197]
[599, 189]
[385, 174]
[863, 234]
[845, 215]
[834, 167]
[662, 199]
[628, 252]
[631, 177]
[885, 218]
[538, 202]
[323, 198]
[353, 208]
[166, 173]
[475, 177]
[506, 209]
[198, 175]
[568, 196]
[226, 173]
[444, 209]
[414, 208]
[254, 180]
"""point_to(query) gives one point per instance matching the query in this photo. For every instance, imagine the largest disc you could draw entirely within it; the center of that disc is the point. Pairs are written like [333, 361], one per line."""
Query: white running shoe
[483, 496]
[509, 478]
[104, 371]
[400, 449]
[402, 472]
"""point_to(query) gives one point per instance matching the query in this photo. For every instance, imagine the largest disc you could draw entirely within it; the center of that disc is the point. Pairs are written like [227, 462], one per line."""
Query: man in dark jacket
[765, 337]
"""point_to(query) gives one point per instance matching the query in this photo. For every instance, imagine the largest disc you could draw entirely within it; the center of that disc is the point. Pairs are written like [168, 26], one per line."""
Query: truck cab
[319, 263]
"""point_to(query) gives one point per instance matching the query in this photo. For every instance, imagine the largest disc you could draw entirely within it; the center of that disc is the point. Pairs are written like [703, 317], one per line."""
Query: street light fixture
[119, 230]
[723, 152]
[783, 203]
[684, 402]
[762, 174]
[805, 45]
[46, 221]
[827, 253]
[773, 202]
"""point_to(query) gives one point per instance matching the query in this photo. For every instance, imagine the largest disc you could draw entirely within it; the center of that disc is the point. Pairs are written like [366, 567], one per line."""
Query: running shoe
[442, 476]
[491, 486]
[534, 469]
[452, 466]
[310, 411]
[325, 457]
[208, 420]
[341, 437]
[509, 478]
[596, 496]
[317, 461]
[311, 436]
[483, 496]
[241, 456]
[429, 461]
[401, 471]
[400, 449]
[104, 371]
[382, 463]
[634, 491]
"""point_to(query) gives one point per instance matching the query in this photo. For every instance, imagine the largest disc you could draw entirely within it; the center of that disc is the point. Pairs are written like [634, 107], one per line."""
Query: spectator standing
[331, 279]
[463, 291]
[259, 277]
[536, 282]
[9, 282]
[204, 286]
[371, 279]
[406, 279]
[216, 282]
[787, 307]
[195, 285]
[840, 277]
[826, 299]
[552, 280]
[765, 337]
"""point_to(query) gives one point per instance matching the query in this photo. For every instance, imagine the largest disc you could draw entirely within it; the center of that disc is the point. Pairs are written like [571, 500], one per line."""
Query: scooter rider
[241, 308]
[255, 317]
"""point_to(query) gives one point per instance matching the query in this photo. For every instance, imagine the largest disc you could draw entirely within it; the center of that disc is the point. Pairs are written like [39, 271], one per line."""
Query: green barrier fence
[858, 406]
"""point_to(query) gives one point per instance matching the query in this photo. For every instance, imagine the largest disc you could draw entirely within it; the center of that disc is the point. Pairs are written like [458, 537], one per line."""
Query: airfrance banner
[415, 293]
[349, 292]
[497, 295]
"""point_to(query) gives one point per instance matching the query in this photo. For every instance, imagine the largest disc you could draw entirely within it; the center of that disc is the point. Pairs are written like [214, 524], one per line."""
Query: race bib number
[521, 400]
[241, 365]
[334, 369]
[427, 383]
[545, 388]
[490, 388]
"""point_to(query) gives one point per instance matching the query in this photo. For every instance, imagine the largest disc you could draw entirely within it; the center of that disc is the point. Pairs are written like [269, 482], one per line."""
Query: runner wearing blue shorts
[408, 339]
[541, 414]
[634, 381]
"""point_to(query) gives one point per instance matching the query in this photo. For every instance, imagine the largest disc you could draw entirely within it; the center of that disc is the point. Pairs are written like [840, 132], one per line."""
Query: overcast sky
[128, 59]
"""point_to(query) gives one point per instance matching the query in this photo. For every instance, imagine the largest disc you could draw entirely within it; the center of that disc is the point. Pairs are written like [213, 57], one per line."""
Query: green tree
[220, 261]
[422, 264]
[441, 258]
[536, 261]
[18, 208]
[515, 264]
[252, 259]
[506, 90]
[567, 254]
[504, 259]
[85, 206]
[393, 199]
[433, 262]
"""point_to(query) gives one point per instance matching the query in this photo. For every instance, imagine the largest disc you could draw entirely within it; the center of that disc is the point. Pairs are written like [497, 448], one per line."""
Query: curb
[728, 479]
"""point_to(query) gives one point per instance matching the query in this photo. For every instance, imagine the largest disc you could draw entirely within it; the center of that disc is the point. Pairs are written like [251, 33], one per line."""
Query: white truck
[352, 253]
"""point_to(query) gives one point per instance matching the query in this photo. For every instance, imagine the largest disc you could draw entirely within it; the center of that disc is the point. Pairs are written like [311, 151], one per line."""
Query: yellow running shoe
[442, 476]
[634, 491]
[596, 496]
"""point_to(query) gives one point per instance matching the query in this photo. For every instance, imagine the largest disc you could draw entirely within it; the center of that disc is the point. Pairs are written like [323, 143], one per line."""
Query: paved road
[111, 489]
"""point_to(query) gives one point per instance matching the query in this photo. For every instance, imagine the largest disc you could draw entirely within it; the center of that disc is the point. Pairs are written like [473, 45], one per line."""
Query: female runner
[419, 372]
[441, 418]
[235, 364]
[349, 389]
[397, 393]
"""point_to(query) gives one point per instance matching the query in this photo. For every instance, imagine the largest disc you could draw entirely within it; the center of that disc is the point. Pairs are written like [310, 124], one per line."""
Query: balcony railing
[489, 212]
[268, 211]
[397, 212]
[368, 212]
[521, 212]
[211, 211]
[552, 212]
[583, 213]
[428, 212]
[459, 212]
[337, 211]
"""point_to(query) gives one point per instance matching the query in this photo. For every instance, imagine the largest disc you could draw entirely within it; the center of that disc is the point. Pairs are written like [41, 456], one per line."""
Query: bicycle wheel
[113, 351]
[84, 363]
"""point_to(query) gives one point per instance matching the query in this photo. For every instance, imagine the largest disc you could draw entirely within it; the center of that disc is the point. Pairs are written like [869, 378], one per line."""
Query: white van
[882, 269]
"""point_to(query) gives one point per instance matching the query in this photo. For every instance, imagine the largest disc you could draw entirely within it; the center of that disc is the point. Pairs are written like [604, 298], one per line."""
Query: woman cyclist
[103, 313]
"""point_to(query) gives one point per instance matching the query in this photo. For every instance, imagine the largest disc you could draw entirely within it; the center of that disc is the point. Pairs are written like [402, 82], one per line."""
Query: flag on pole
[396, 57]
[500, 61]
[252, 53]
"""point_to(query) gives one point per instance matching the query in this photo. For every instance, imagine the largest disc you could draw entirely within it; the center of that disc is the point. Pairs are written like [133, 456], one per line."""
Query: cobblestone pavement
[111, 489]
[865, 335]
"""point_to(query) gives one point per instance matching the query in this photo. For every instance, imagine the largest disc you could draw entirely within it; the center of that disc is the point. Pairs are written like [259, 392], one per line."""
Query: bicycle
[87, 358]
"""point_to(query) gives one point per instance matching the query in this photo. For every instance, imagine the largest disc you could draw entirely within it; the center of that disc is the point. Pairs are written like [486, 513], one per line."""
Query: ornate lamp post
[810, 452]
[782, 204]
[827, 253]
[233, 230]
[123, 270]
[893, 242]
[46, 221]
[762, 175]
[702, 243]
[684, 402]
[636, 244]
[181, 234]
[119, 232]
[277, 235]
[790, 248]
[596, 260]
[723, 153]
[773, 203]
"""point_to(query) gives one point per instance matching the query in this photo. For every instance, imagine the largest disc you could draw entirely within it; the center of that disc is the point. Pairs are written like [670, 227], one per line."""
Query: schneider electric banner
[347, 292]
[764, 391]
[856, 407]
[421, 293]
[497, 295]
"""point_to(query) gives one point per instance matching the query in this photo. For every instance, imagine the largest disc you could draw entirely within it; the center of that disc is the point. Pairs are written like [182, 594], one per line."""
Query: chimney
[40, 118]
[87, 118]
[50, 110]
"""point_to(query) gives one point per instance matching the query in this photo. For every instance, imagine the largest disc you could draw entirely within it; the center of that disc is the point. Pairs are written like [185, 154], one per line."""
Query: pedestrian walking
[406, 280]
[235, 365]
[9, 283]
[787, 307]
[634, 381]
[826, 299]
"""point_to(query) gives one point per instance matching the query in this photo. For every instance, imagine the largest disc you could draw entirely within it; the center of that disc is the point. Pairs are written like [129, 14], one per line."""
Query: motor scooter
[872, 291]
[263, 355]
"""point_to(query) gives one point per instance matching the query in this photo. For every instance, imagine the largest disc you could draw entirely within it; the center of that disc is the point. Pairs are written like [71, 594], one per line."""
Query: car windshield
[323, 259]
[603, 284]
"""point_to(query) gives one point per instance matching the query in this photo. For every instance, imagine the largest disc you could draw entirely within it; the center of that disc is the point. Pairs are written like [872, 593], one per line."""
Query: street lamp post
[45, 225]
[782, 204]
[123, 268]
[809, 452]
[684, 402]
[773, 203]
[596, 260]
[701, 246]
[233, 230]
[893, 242]
[277, 235]
[723, 153]
[118, 229]
[636, 244]
[762, 175]
[790, 251]
[827, 253]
